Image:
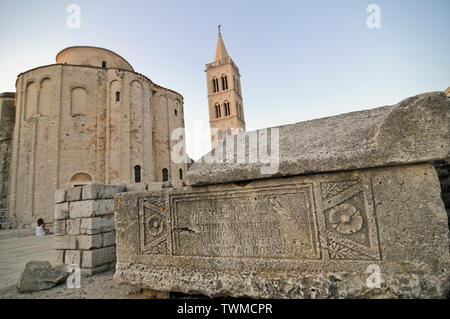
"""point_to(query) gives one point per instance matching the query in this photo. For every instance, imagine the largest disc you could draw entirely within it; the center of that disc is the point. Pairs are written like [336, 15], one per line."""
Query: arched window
[219, 135]
[165, 175]
[181, 173]
[137, 174]
[103, 64]
[217, 108]
[226, 106]
[117, 96]
[215, 83]
[176, 112]
[224, 82]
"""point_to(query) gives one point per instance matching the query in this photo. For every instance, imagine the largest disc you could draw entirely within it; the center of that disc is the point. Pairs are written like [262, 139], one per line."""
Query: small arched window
[217, 108]
[103, 64]
[181, 173]
[176, 112]
[224, 82]
[226, 106]
[137, 174]
[215, 83]
[165, 175]
[117, 96]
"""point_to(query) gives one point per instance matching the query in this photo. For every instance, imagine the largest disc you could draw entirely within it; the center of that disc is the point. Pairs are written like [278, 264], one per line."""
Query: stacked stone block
[84, 227]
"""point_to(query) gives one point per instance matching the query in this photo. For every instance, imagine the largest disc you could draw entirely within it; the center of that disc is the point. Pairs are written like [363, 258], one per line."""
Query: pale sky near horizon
[299, 60]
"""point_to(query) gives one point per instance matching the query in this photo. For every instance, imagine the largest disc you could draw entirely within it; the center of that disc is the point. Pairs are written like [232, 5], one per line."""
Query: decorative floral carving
[338, 251]
[346, 219]
[155, 225]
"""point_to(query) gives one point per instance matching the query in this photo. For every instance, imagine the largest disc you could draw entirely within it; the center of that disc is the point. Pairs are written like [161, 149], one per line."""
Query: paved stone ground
[100, 286]
[17, 247]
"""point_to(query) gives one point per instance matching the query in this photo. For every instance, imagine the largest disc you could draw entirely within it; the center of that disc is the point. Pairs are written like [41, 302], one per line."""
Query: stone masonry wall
[7, 114]
[84, 227]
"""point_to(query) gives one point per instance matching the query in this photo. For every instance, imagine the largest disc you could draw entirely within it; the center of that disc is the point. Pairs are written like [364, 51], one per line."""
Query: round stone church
[88, 119]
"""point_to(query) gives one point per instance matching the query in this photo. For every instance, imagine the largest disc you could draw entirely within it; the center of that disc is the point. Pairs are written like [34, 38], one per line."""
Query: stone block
[96, 225]
[97, 257]
[414, 130]
[72, 257]
[86, 272]
[61, 211]
[73, 226]
[89, 241]
[311, 236]
[65, 242]
[109, 239]
[97, 191]
[58, 257]
[59, 227]
[136, 187]
[154, 186]
[73, 194]
[60, 195]
[91, 208]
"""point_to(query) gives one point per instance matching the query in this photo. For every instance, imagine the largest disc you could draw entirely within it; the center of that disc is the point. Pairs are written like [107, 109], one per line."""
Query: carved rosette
[349, 230]
[154, 225]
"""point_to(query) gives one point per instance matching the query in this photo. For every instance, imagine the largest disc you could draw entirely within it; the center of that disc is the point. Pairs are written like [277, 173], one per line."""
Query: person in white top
[40, 229]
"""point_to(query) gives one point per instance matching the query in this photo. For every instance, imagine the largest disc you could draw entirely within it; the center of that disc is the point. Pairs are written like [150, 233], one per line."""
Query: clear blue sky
[299, 60]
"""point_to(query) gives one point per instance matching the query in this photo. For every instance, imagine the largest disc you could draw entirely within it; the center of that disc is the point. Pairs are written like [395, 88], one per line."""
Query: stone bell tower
[226, 112]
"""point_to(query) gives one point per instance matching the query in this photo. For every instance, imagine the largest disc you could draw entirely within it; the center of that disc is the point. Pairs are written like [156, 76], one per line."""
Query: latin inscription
[260, 223]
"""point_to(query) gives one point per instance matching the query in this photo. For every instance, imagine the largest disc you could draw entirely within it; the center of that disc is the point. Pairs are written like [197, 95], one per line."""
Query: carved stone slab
[297, 237]
[415, 130]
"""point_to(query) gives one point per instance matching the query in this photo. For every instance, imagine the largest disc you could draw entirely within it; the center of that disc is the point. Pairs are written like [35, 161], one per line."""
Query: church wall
[72, 131]
[7, 114]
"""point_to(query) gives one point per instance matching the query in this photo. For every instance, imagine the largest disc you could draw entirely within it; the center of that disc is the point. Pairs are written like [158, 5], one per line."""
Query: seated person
[40, 229]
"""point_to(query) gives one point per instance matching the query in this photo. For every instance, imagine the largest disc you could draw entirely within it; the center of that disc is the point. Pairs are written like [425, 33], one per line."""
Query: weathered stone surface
[97, 225]
[58, 257]
[89, 241]
[415, 130]
[73, 226]
[62, 211]
[311, 236]
[73, 194]
[60, 195]
[40, 275]
[96, 257]
[136, 187]
[65, 242]
[97, 191]
[91, 208]
[59, 227]
[109, 239]
[72, 257]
